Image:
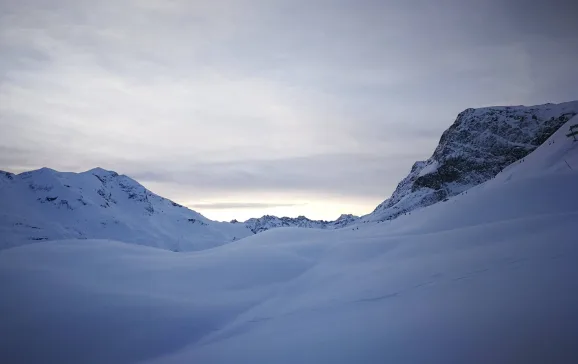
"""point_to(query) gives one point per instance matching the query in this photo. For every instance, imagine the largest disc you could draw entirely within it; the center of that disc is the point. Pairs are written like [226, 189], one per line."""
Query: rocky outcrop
[479, 144]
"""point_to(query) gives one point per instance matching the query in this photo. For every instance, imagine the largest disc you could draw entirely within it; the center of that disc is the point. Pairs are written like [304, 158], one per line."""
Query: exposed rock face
[479, 144]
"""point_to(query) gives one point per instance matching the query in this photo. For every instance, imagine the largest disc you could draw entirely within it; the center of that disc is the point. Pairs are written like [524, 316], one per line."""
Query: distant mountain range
[269, 222]
[478, 145]
[47, 205]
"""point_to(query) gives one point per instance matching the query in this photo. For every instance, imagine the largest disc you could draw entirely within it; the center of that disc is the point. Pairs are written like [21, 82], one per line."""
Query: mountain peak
[48, 205]
[476, 147]
[101, 172]
[40, 171]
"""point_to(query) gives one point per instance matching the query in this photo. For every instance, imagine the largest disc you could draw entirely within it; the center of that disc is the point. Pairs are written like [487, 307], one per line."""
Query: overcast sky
[238, 108]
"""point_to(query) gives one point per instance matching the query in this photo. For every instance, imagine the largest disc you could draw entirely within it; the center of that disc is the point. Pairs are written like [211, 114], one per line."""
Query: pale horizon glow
[240, 108]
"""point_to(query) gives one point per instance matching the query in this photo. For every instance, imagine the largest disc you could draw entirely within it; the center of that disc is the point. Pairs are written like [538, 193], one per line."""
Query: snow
[46, 205]
[488, 276]
[431, 167]
[559, 154]
[49, 205]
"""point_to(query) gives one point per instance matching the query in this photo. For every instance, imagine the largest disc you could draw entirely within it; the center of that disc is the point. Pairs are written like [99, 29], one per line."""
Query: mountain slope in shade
[47, 205]
[488, 276]
[479, 144]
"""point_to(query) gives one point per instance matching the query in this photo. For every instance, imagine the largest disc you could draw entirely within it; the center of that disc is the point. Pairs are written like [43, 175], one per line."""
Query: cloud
[238, 205]
[272, 97]
[329, 174]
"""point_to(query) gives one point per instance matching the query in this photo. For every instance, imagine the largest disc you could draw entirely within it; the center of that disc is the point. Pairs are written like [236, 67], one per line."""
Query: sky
[240, 108]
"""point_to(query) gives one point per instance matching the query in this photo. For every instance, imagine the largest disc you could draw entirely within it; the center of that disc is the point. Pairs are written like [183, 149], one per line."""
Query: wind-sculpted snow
[488, 276]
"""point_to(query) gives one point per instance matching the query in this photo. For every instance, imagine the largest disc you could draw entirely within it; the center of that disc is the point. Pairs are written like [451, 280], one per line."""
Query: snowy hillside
[48, 205]
[474, 149]
[488, 276]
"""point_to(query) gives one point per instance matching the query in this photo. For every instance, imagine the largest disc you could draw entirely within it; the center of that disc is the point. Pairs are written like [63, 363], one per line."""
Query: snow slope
[48, 205]
[559, 154]
[488, 276]
[474, 149]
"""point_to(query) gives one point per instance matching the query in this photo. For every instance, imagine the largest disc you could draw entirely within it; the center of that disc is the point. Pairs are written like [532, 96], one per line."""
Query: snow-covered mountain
[49, 205]
[479, 144]
[476, 147]
[46, 205]
[267, 222]
[98, 204]
[488, 276]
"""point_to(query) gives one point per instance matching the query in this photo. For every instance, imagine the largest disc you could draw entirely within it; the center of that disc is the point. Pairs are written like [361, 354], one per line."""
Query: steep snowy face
[47, 205]
[479, 144]
[557, 155]
[257, 225]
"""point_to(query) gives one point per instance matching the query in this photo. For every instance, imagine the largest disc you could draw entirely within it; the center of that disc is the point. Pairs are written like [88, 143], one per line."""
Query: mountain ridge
[475, 148]
[267, 222]
[45, 204]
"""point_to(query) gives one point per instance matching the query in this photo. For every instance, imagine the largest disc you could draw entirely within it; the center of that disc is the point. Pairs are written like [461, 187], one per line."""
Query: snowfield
[488, 276]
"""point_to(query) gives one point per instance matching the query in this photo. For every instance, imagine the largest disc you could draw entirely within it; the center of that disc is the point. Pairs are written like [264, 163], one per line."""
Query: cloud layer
[249, 102]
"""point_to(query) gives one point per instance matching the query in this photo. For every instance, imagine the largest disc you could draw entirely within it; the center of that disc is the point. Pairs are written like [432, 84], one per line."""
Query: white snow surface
[488, 276]
[49, 205]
